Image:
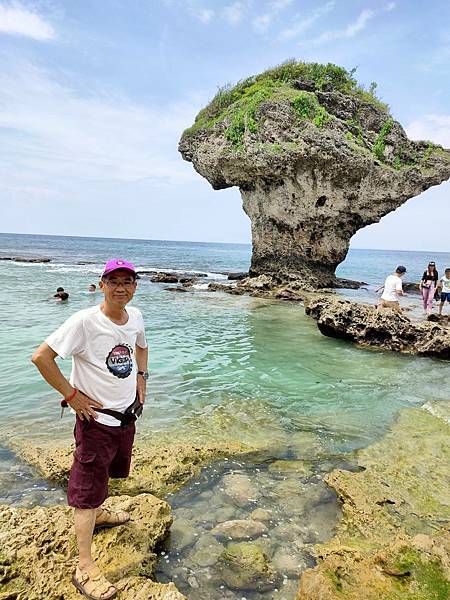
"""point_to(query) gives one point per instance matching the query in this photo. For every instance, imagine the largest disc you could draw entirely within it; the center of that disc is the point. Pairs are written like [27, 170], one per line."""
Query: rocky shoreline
[384, 329]
[37, 552]
[392, 541]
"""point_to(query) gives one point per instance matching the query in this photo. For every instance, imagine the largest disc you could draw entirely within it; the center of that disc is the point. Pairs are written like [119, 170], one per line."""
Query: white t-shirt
[392, 285]
[445, 285]
[103, 356]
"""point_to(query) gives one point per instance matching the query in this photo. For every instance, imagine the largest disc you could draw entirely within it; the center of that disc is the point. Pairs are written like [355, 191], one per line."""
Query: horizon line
[103, 237]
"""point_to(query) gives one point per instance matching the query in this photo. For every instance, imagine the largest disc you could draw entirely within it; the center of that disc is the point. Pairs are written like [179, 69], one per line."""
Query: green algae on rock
[246, 567]
[38, 553]
[316, 157]
[155, 470]
[393, 540]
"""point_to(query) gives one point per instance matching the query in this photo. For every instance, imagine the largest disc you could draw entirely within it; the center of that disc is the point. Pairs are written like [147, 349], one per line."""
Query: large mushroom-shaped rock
[316, 158]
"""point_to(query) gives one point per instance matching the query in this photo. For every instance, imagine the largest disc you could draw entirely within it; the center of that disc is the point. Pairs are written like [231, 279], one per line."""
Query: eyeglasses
[115, 283]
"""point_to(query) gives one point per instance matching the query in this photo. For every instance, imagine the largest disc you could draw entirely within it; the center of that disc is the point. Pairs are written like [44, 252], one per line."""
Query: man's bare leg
[84, 520]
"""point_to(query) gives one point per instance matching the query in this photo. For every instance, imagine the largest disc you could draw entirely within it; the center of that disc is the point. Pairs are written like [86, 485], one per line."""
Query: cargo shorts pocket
[84, 469]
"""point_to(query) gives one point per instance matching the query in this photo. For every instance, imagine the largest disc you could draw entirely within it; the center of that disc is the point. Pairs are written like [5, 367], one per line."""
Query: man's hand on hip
[84, 406]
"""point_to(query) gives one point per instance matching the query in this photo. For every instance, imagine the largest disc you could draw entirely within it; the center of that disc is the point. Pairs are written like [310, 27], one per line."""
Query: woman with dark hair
[428, 285]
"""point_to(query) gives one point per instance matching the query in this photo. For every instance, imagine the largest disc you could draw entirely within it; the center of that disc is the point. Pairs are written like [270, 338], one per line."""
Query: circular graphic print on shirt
[119, 361]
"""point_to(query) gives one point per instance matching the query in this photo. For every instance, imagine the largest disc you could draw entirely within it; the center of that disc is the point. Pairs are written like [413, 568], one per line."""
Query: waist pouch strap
[130, 415]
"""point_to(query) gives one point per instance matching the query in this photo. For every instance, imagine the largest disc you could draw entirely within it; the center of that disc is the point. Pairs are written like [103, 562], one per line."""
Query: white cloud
[15, 19]
[200, 12]
[262, 23]
[279, 5]
[390, 6]
[435, 128]
[359, 24]
[205, 15]
[233, 13]
[51, 134]
[348, 32]
[300, 24]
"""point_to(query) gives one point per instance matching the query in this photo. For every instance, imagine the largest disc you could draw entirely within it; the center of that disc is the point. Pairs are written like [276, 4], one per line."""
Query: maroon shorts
[101, 452]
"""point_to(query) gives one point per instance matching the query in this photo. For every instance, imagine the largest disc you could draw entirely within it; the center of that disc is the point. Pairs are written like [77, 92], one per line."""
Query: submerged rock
[238, 488]
[182, 534]
[38, 554]
[392, 541]
[245, 566]
[260, 514]
[239, 529]
[316, 158]
[299, 467]
[384, 328]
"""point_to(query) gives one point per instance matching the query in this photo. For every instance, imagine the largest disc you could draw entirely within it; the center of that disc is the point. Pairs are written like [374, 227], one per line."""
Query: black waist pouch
[130, 415]
[133, 412]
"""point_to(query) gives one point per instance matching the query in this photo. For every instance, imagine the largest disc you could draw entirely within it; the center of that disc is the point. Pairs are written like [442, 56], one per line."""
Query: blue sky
[94, 96]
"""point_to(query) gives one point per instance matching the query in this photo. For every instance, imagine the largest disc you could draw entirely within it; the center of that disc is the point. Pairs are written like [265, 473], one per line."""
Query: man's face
[118, 287]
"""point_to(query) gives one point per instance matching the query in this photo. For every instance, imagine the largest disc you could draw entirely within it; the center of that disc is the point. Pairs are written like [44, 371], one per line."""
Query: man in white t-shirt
[109, 373]
[444, 288]
[393, 290]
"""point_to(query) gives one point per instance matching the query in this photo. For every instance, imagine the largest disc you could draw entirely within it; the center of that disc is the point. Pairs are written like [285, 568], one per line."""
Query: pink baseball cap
[118, 263]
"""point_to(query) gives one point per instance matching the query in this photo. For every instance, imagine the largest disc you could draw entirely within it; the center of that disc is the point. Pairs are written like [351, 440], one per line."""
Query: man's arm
[44, 359]
[142, 362]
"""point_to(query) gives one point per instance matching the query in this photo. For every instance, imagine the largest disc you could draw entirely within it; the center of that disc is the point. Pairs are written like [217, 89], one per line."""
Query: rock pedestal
[315, 161]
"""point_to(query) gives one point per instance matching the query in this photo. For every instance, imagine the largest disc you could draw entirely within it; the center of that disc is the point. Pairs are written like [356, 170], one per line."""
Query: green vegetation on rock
[237, 105]
[380, 143]
[308, 107]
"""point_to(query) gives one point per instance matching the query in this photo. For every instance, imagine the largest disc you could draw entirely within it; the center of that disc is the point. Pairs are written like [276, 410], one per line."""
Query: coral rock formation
[316, 158]
[155, 470]
[385, 329]
[393, 541]
[38, 554]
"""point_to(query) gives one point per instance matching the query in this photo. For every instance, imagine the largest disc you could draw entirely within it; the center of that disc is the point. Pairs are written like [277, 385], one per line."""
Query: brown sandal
[113, 519]
[93, 584]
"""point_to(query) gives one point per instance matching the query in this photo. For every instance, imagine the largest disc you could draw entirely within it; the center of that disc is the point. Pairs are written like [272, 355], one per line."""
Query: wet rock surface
[245, 566]
[313, 165]
[393, 540]
[25, 259]
[155, 470]
[384, 328]
[265, 286]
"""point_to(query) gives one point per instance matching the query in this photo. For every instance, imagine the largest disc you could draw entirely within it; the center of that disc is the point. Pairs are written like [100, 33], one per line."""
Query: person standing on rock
[444, 287]
[107, 391]
[393, 290]
[428, 285]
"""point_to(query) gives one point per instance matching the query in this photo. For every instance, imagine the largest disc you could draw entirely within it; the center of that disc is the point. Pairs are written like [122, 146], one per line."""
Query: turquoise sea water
[222, 368]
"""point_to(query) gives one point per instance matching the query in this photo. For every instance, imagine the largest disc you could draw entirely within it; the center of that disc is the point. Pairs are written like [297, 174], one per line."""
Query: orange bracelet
[67, 399]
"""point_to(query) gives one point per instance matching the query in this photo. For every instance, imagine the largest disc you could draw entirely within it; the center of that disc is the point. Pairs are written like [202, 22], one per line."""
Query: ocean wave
[200, 286]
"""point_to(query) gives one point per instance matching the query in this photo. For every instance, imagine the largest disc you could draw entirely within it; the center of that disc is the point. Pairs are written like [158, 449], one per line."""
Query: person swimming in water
[61, 296]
